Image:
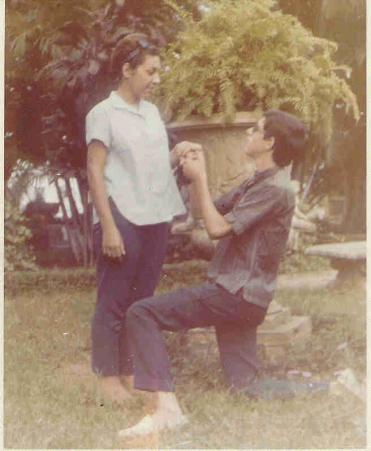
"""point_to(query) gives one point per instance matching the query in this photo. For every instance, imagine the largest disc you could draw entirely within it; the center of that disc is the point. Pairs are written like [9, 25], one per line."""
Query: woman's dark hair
[290, 136]
[131, 49]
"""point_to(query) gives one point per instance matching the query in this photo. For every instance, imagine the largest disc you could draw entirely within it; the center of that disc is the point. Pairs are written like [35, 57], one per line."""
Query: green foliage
[246, 55]
[24, 175]
[17, 254]
[58, 67]
[307, 11]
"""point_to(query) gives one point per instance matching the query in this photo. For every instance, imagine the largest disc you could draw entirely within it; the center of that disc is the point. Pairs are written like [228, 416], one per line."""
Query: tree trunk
[86, 219]
[354, 220]
[345, 22]
[76, 222]
[72, 202]
[70, 232]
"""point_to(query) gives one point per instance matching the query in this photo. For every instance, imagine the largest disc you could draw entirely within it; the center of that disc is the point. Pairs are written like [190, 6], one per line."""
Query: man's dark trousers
[235, 322]
[120, 284]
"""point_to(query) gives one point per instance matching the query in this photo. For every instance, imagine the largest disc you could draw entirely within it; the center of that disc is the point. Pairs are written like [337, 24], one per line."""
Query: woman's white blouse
[138, 174]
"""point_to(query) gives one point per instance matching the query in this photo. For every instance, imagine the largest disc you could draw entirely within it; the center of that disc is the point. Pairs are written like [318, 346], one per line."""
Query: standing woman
[135, 198]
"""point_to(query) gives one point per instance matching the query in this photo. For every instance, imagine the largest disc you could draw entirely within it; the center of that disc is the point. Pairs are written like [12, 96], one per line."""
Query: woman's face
[144, 77]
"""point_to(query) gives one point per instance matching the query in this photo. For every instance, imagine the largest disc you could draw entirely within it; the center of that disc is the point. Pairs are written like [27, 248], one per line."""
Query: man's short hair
[290, 136]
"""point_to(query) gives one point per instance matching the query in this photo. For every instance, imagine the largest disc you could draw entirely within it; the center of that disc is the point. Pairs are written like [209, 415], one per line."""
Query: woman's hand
[113, 244]
[181, 149]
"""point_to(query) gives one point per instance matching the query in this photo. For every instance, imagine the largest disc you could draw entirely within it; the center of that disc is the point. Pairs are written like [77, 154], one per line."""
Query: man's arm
[202, 204]
[215, 223]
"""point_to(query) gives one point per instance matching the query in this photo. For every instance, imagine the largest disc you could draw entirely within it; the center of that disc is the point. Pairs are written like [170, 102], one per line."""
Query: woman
[135, 198]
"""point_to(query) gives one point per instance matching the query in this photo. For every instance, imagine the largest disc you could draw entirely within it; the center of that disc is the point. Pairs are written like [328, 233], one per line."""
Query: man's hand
[194, 168]
[113, 245]
[193, 165]
[181, 149]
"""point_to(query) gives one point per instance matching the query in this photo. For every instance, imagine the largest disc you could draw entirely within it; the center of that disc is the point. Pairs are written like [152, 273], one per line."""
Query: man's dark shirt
[260, 211]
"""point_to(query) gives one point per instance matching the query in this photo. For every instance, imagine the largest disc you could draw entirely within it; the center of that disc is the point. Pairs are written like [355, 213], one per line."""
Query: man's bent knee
[136, 311]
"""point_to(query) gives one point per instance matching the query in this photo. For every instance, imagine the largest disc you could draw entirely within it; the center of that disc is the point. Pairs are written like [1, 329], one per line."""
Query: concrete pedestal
[279, 333]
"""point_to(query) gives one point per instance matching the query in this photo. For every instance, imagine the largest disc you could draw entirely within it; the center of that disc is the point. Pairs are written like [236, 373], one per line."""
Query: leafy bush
[247, 55]
[186, 273]
[18, 255]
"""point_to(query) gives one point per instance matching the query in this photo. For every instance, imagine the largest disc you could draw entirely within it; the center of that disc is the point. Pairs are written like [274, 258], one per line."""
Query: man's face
[256, 144]
[145, 76]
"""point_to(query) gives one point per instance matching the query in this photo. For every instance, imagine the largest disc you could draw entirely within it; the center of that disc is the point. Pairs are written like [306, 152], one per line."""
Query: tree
[343, 21]
[57, 68]
[247, 55]
[17, 255]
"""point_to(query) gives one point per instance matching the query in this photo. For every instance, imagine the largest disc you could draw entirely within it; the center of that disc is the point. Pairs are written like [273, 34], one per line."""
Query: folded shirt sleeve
[225, 202]
[254, 206]
[97, 127]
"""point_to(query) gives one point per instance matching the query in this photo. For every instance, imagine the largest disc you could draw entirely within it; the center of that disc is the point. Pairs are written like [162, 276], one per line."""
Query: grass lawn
[51, 399]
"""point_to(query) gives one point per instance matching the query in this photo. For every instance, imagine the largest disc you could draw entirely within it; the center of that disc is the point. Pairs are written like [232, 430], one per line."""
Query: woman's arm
[112, 245]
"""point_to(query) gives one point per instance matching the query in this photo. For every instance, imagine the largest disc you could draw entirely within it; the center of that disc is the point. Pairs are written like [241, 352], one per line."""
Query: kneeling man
[252, 223]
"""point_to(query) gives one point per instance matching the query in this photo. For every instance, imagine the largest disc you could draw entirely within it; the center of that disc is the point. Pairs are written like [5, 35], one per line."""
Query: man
[252, 223]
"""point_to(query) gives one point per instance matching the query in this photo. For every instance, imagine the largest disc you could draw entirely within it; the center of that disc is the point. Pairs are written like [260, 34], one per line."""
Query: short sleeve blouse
[138, 174]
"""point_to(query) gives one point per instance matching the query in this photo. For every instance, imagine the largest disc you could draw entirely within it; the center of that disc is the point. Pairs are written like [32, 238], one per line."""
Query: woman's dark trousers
[120, 284]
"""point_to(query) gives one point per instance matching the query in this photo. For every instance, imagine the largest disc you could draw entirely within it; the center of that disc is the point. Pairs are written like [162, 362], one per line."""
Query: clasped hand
[189, 155]
[181, 149]
[193, 164]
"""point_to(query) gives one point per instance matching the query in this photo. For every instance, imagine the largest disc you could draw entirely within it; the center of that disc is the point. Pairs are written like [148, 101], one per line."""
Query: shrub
[18, 255]
[247, 55]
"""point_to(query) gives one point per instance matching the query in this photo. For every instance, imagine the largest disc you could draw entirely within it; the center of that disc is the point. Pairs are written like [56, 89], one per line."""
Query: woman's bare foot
[112, 389]
[128, 382]
[144, 396]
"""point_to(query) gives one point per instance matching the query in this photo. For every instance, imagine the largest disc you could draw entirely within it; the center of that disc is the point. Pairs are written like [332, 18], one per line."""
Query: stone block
[279, 332]
[296, 329]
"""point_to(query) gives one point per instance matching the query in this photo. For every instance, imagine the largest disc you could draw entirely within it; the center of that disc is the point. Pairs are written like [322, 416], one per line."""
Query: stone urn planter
[227, 165]
[223, 143]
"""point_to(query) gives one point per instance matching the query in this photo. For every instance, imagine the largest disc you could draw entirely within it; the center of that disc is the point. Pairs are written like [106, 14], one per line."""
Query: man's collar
[118, 102]
[259, 175]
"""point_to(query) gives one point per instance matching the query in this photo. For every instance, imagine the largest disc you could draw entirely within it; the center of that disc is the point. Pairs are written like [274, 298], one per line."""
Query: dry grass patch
[51, 399]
